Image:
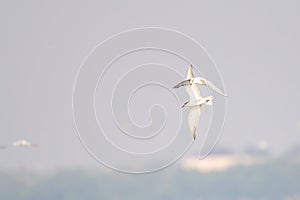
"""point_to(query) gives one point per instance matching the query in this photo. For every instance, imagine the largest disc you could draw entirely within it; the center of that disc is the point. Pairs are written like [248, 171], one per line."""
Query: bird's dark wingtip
[176, 86]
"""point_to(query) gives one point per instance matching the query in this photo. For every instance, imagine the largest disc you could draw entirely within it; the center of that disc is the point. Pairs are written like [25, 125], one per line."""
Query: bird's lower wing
[193, 119]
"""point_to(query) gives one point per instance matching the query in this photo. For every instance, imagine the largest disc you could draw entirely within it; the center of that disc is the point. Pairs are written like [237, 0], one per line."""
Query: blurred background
[256, 47]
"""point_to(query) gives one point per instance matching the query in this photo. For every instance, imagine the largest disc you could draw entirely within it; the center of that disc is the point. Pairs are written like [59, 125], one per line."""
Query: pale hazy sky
[255, 45]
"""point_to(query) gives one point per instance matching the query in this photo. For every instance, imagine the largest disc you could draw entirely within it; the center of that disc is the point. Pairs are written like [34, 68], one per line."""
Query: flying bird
[196, 101]
[199, 80]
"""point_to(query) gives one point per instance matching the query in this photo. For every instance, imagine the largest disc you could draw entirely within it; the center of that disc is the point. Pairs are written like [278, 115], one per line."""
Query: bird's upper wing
[193, 119]
[190, 73]
[202, 81]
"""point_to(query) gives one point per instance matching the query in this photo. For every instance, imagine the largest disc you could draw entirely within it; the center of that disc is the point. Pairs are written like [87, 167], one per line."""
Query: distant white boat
[20, 143]
[23, 143]
[196, 101]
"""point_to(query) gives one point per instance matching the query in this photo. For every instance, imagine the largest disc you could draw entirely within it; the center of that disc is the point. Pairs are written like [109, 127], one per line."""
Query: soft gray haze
[255, 45]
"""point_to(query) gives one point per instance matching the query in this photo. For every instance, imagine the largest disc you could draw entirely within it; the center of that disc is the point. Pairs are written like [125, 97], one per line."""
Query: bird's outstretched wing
[193, 119]
[202, 81]
[183, 84]
[212, 86]
[190, 73]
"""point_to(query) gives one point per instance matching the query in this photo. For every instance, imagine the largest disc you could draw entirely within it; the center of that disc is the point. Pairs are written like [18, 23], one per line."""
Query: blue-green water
[277, 179]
